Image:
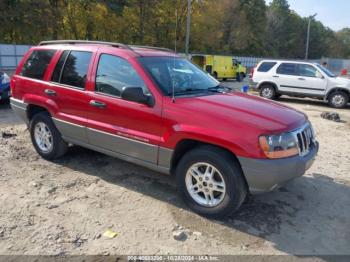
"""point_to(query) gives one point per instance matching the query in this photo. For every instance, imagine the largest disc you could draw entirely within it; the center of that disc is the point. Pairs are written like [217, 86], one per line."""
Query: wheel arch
[186, 145]
[33, 109]
[262, 83]
[347, 91]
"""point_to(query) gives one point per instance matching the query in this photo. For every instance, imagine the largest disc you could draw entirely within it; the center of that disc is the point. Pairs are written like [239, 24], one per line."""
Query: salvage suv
[151, 107]
[273, 78]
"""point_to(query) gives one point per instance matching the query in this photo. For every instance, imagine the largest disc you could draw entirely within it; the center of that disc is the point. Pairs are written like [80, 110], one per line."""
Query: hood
[237, 108]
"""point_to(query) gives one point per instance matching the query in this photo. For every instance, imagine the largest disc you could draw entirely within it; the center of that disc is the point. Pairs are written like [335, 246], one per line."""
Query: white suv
[274, 78]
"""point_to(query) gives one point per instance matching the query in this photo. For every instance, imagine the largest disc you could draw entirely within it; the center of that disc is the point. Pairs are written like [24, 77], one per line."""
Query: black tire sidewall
[268, 87]
[346, 98]
[238, 77]
[231, 172]
[56, 137]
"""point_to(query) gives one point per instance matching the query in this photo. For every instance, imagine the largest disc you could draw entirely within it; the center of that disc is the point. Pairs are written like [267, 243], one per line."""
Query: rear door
[67, 90]
[128, 128]
[286, 77]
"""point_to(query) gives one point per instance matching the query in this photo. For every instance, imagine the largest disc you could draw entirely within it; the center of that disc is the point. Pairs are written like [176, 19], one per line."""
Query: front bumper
[264, 175]
[20, 108]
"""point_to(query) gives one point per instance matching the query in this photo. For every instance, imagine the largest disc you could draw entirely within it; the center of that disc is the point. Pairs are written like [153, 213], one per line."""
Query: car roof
[287, 61]
[133, 50]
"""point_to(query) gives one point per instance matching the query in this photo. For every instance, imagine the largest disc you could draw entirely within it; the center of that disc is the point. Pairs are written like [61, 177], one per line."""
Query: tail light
[252, 72]
[12, 85]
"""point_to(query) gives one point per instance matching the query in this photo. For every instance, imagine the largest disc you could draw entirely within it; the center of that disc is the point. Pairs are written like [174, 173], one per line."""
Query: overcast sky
[332, 13]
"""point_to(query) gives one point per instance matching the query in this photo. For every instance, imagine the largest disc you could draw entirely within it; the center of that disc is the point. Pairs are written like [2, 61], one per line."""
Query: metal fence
[10, 56]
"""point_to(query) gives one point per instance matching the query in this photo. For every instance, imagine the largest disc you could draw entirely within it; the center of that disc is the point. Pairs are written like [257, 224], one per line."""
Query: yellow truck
[221, 67]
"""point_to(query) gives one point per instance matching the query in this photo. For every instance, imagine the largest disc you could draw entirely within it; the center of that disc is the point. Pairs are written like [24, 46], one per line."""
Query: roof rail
[73, 42]
[151, 47]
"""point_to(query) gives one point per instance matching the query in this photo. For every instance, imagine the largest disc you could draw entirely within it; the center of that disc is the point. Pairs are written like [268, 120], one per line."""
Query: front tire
[338, 99]
[46, 138]
[211, 182]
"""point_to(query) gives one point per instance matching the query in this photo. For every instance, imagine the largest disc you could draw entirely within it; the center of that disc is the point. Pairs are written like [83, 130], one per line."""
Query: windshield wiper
[219, 88]
[189, 90]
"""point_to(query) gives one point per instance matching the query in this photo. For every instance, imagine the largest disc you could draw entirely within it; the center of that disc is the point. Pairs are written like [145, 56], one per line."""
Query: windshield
[177, 73]
[326, 71]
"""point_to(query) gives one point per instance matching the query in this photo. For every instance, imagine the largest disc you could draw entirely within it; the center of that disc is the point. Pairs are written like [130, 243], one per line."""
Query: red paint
[233, 121]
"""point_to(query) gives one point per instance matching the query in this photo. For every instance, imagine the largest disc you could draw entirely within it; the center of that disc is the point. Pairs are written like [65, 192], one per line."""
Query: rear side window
[75, 69]
[266, 66]
[114, 73]
[56, 76]
[287, 69]
[36, 64]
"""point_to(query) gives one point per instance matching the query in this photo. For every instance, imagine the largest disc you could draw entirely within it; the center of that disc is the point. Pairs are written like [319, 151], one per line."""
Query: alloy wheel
[205, 184]
[43, 137]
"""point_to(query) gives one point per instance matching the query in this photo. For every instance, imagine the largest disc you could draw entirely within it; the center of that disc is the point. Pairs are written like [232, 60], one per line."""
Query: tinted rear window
[36, 64]
[76, 68]
[287, 69]
[266, 66]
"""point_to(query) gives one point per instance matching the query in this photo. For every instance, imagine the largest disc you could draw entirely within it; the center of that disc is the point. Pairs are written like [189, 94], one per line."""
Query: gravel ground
[65, 206]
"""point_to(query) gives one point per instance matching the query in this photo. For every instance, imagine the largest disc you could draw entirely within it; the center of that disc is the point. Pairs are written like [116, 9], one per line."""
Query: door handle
[97, 104]
[50, 92]
[275, 76]
[300, 78]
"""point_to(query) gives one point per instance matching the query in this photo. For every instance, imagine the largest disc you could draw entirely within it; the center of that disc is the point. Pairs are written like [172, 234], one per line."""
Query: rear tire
[215, 75]
[268, 91]
[338, 99]
[238, 77]
[46, 138]
[217, 196]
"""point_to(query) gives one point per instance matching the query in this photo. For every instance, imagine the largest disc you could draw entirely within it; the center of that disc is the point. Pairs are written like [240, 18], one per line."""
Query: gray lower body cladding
[264, 175]
[253, 85]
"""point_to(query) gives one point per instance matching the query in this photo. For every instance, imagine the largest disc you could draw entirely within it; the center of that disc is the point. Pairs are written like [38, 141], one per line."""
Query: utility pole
[188, 26]
[308, 36]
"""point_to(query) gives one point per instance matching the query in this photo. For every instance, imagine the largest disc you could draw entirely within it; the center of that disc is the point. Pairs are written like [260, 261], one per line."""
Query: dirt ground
[65, 206]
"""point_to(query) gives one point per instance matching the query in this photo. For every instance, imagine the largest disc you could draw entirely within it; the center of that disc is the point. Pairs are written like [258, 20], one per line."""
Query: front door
[128, 128]
[311, 80]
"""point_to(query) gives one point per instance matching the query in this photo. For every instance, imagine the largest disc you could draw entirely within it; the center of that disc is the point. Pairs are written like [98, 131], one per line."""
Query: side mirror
[136, 94]
[319, 75]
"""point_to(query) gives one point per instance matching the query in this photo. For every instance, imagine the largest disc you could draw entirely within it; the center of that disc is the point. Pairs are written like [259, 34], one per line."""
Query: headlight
[279, 146]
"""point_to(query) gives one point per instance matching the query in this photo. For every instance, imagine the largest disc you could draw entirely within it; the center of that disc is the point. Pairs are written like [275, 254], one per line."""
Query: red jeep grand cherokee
[153, 108]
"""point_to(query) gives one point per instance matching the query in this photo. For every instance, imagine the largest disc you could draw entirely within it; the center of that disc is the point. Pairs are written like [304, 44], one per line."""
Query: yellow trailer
[221, 67]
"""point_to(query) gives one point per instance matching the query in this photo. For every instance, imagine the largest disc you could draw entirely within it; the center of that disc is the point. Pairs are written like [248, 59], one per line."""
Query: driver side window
[307, 70]
[115, 73]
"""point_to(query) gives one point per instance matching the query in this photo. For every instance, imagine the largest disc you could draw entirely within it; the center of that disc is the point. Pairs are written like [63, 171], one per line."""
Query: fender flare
[48, 104]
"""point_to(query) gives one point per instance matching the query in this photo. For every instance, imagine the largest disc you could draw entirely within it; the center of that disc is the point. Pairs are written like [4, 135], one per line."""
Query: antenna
[173, 82]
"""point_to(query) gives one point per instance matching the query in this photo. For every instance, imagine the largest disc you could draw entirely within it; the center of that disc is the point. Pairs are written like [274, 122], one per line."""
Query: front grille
[305, 138]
